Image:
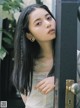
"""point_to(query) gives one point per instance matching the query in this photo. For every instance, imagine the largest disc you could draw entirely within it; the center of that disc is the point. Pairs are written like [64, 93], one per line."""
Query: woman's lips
[51, 31]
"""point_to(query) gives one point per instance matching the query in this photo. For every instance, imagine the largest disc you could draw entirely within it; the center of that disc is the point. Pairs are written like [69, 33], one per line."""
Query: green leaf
[8, 41]
[20, 1]
[3, 53]
[7, 34]
[6, 6]
[12, 5]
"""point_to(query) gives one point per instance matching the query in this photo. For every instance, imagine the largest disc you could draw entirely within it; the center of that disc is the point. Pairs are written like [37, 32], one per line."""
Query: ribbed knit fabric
[36, 98]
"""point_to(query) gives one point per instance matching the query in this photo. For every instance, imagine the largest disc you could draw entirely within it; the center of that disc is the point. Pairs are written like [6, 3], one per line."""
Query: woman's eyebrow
[47, 14]
[38, 19]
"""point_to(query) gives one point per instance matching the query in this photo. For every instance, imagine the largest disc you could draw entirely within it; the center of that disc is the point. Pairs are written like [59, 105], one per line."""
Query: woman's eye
[38, 23]
[49, 18]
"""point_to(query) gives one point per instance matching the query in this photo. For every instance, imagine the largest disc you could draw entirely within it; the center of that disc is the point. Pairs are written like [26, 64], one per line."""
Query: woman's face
[41, 25]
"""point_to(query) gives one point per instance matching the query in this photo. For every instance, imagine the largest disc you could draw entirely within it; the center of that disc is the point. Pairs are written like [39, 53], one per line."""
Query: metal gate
[66, 53]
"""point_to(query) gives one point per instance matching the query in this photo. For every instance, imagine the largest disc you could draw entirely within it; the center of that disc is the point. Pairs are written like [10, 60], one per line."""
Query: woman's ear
[30, 37]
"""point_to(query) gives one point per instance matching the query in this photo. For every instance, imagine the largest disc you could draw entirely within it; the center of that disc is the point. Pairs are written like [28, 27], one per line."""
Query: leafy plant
[10, 6]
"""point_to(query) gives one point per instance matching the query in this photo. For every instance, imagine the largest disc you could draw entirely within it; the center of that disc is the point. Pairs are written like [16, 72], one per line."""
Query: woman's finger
[39, 84]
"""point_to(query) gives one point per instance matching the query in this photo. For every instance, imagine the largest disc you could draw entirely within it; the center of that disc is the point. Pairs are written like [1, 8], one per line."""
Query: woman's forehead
[38, 13]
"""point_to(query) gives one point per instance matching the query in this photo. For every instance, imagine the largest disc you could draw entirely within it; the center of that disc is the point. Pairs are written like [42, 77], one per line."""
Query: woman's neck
[45, 61]
[47, 50]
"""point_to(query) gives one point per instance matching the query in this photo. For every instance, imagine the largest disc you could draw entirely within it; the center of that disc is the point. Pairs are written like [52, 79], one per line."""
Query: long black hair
[25, 51]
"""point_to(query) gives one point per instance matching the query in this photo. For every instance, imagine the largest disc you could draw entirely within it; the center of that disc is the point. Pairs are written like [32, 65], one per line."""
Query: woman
[33, 73]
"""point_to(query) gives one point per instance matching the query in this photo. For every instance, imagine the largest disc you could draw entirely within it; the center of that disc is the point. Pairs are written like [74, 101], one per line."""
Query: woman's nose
[47, 24]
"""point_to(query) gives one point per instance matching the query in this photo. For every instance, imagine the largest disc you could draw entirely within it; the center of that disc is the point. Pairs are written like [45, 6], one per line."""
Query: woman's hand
[46, 85]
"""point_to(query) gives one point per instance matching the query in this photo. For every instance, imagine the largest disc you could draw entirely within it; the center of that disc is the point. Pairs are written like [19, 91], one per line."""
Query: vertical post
[66, 47]
[78, 30]
[0, 60]
[54, 7]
